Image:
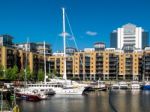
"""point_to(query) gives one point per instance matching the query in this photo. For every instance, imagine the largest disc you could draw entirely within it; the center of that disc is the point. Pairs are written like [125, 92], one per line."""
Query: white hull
[59, 89]
[115, 86]
[135, 85]
[120, 85]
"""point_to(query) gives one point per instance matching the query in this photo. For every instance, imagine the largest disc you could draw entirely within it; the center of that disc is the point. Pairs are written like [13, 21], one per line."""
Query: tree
[8, 74]
[21, 75]
[11, 73]
[1, 72]
[28, 73]
[40, 75]
[14, 72]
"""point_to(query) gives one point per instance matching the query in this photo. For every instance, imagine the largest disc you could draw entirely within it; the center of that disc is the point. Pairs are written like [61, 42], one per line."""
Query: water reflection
[122, 101]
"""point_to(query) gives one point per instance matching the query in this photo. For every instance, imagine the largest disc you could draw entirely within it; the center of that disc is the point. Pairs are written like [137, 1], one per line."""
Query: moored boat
[30, 95]
[99, 85]
[123, 85]
[135, 85]
[146, 85]
[115, 86]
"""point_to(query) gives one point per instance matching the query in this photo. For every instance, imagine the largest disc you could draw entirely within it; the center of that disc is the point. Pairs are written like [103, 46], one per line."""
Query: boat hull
[146, 87]
[28, 97]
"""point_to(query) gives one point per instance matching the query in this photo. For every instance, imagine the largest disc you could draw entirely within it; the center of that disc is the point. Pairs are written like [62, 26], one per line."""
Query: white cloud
[67, 34]
[91, 33]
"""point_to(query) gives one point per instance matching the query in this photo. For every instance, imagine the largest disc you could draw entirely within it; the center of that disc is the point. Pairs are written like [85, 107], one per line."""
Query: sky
[90, 20]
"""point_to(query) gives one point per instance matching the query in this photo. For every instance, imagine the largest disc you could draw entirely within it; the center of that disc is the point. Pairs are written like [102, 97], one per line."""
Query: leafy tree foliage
[40, 75]
[28, 71]
[1, 72]
[12, 73]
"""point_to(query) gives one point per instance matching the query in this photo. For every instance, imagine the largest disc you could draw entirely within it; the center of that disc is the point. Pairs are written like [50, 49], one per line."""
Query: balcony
[87, 65]
[112, 69]
[99, 59]
[147, 60]
[69, 64]
[147, 64]
[87, 68]
[99, 72]
[99, 68]
[112, 64]
[99, 65]
[147, 68]
[112, 73]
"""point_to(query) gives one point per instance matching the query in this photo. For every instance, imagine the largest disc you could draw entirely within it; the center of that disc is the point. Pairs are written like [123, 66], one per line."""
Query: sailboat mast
[26, 62]
[64, 41]
[44, 65]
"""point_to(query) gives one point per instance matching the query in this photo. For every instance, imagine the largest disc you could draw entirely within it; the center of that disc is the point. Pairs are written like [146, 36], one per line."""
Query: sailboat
[146, 85]
[60, 86]
[27, 93]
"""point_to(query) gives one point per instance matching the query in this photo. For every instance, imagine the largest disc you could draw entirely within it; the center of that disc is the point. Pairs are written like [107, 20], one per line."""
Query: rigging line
[73, 35]
[71, 31]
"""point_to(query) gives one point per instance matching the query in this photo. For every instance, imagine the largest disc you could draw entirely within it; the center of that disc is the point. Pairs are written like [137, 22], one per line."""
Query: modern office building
[35, 47]
[6, 40]
[131, 35]
[99, 46]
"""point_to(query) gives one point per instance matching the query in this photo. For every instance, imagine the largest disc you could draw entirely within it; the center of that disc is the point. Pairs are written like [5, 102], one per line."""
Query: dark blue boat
[146, 86]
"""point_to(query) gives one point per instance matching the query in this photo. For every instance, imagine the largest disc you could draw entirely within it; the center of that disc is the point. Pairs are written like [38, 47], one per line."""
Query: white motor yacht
[135, 85]
[115, 86]
[123, 85]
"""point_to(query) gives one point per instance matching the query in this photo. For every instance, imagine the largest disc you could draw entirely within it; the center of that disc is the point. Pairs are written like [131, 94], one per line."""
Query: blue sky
[91, 20]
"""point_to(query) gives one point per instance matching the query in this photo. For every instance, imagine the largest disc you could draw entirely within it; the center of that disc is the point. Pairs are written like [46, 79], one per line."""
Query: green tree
[40, 75]
[28, 73]
[12, 73]
[1, 72]
[8, 73]
[21, 75]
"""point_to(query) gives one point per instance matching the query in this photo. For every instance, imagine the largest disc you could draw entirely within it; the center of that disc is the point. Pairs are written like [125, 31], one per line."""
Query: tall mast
[44, 65]
[26, 62]
[64, 41]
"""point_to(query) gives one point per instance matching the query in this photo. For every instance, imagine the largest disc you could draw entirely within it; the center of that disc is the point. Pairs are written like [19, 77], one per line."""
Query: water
[114, 101]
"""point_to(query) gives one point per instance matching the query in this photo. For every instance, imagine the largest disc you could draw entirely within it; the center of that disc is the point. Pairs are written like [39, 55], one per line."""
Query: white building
[130, 35]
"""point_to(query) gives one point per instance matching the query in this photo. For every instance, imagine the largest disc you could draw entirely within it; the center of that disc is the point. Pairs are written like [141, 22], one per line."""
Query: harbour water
[110, 101]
